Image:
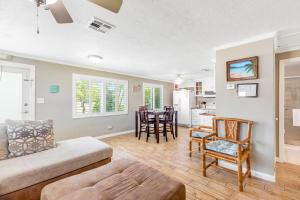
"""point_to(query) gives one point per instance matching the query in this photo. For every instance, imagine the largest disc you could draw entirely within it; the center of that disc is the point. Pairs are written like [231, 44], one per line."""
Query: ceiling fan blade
[60, 12]
[112, 5]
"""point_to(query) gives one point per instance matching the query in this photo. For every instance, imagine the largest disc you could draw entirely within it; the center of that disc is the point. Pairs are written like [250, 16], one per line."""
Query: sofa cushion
[120, 180]
[27, 137]
[70, 155]
[3, 142]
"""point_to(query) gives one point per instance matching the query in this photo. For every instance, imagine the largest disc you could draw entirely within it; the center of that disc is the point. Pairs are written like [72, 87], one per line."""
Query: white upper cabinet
[208, 84]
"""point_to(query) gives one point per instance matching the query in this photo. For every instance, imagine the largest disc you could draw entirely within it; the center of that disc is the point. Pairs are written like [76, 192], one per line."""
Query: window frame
[153, 86]
[103, 81]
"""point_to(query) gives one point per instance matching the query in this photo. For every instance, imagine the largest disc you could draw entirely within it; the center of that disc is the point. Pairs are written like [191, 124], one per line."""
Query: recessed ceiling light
[95, 59]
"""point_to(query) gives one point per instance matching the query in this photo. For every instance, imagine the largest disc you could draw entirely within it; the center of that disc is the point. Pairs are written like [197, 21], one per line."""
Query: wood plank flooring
[172, 159]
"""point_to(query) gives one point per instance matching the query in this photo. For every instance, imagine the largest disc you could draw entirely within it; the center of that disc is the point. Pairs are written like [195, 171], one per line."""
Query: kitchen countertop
[194, 108]
[207, 111]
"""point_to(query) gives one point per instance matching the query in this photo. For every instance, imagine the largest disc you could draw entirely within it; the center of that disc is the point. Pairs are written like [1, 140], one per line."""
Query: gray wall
[59, 106]
[261, 110]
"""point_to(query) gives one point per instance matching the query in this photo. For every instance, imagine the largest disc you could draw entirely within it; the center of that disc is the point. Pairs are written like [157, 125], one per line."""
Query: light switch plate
[40, 100]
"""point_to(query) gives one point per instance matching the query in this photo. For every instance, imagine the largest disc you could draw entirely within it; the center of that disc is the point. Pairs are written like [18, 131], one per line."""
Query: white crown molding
[115, 134]
[246, 41]
[78, 65]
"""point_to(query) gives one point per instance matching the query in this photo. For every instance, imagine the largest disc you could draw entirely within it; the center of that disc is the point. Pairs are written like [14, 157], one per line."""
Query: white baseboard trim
[254, 173]
[115, 134]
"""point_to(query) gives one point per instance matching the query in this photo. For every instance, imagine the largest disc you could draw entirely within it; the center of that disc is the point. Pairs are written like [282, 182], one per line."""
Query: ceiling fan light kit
[61, 14]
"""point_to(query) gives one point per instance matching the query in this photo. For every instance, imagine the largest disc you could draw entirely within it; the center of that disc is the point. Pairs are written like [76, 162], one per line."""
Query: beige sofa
[24, 177]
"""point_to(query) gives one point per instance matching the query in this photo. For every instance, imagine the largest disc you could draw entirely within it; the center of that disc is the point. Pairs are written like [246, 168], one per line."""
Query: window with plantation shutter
[153, 96]
[98, 96]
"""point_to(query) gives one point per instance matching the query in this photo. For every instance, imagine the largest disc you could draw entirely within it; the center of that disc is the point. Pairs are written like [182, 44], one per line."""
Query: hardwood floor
[172, 158]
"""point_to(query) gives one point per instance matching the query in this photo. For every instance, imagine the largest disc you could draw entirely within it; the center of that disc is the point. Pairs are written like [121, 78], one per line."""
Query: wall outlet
[109, 127]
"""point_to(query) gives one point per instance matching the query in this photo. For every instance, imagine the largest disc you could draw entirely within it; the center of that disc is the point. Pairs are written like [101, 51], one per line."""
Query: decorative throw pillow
[3, 142]
[27, 137]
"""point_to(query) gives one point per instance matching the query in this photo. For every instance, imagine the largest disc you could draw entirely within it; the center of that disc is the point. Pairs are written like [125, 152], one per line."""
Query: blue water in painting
[238, 70]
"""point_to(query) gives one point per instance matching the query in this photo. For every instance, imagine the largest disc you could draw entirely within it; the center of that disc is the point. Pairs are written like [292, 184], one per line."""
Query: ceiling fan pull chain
[37, 20]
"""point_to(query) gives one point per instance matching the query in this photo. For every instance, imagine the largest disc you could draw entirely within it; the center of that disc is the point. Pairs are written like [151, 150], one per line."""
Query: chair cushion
[224, 147]
[198, 134]
[69, 155]
[120, 180]
[3, 142]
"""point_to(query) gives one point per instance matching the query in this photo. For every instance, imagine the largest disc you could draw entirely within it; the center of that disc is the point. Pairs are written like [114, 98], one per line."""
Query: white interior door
[289, 111]
[15, 94]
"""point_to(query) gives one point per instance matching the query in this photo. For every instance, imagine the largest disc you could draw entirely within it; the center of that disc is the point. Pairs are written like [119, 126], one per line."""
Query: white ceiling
[153, 38]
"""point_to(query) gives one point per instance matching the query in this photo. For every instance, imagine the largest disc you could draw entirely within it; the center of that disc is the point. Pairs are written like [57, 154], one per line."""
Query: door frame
[31, 69]
[282, 63]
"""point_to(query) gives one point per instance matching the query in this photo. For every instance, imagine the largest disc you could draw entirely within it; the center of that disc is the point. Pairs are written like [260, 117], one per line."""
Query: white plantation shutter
[98, 96]
[153, 96]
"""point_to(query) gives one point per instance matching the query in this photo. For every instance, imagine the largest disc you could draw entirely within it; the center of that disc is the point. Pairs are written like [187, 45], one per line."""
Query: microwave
[209, 94]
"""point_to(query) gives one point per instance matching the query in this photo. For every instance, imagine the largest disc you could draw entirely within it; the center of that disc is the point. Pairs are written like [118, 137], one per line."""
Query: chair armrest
[245, 141]
[206, 127]
[210, 135]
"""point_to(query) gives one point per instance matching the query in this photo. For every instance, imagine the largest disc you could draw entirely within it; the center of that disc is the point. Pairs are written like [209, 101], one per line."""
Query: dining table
[156, 114]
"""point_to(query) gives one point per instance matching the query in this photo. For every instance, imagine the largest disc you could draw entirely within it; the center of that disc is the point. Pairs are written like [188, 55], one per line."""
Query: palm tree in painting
[249, 68]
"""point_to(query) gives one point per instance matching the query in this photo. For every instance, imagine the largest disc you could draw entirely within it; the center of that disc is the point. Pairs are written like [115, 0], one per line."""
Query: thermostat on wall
[230, 86]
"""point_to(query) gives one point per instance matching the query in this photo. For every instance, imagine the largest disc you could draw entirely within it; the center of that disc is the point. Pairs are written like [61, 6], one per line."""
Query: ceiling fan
[61, 14]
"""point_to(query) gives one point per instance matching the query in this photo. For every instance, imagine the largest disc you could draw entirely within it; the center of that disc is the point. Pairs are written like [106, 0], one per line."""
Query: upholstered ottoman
[121, 180]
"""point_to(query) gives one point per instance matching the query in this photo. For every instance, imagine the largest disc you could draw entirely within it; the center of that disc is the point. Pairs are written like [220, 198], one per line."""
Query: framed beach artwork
[242, 69]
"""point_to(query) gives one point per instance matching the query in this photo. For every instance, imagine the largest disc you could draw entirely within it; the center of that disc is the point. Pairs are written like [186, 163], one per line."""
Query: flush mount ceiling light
[178, 79]
[95, 59]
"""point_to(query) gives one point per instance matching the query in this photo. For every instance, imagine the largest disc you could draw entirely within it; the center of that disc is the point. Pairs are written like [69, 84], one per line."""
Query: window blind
[99, 96]
[153, 96]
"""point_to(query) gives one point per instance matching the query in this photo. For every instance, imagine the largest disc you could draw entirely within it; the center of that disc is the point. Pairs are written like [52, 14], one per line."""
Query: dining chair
[142, 108]
[147, 124]
[230, 141]
[168, 108]
[168, 123]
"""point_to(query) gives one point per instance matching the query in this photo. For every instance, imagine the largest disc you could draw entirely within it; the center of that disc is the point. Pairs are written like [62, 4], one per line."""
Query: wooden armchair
[197, 135]
[230, 147]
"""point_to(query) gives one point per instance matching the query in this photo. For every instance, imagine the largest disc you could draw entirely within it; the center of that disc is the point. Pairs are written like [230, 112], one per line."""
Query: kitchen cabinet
[202, 117]
[198, 88]
[203, 85]
[209, 84]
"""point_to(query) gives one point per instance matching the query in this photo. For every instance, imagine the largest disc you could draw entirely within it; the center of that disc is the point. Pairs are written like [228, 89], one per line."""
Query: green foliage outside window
[82, 95]
[110, 98]
[91, 92]
[96, 98]
[121, 100]
[148, 98]
[157, 96]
